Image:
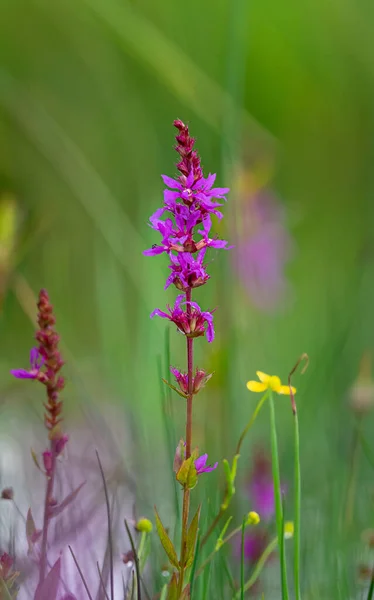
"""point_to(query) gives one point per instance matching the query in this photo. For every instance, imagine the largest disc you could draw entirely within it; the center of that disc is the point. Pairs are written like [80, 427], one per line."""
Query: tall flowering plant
[45, 366]
[185, 223]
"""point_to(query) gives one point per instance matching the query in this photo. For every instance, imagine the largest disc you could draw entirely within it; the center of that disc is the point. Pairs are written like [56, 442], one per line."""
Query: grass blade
[110, 539]
[135, 559]
[277, 497]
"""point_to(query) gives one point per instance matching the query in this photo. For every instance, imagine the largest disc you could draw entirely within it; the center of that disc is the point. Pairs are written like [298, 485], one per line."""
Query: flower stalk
[189, 203]
[46, 363]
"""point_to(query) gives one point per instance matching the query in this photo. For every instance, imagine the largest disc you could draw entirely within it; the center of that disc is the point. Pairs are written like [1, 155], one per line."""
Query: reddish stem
[186, 491]
[46, 517]
[190, 382]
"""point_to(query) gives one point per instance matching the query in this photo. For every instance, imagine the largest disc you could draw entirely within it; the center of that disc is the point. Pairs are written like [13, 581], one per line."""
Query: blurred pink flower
[261, 487]
[262, 249]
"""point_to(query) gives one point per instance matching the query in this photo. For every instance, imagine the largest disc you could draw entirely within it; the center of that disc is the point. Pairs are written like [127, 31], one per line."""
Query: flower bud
[7, 494]
[48, 462]
[144, 525]
[200, 380]
[253, 518]
[288, 530]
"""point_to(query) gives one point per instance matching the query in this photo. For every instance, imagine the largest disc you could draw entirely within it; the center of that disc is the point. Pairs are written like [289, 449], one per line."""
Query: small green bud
[144, 525]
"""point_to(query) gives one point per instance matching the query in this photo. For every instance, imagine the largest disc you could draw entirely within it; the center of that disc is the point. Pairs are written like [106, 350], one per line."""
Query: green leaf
[230, 474]
[173, 588]
[191, 538]
[35, 460]
[187, 474]
[4, 588]
[166, 542]
[30, 525]
[172, 387]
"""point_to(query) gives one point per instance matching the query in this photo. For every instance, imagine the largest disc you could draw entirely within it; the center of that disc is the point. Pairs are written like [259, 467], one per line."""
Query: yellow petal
[285, 389]
[274, 383]
[256, 386]
[262, 376]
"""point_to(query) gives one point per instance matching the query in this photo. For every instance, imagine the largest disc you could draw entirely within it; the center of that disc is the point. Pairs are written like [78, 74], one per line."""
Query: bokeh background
[280, 98]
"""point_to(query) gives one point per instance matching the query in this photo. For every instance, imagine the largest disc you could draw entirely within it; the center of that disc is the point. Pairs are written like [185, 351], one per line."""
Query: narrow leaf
[48, 589]
[173, 588]
[5, 590]
[166, 542]
[186, 595]
[30, 526]
[35, 460]
[56, 510]
[172, 387]
[191, 538]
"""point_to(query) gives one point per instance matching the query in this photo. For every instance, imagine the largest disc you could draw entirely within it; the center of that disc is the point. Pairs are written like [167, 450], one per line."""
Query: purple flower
[60, 443]
[189, 203]
[200, 464]
[197, 194]
[187, 271]
[197, 323]
[263, 249]
[36, 363]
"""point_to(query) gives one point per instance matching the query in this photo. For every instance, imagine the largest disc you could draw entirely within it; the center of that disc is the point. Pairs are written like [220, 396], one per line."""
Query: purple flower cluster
[189, 204]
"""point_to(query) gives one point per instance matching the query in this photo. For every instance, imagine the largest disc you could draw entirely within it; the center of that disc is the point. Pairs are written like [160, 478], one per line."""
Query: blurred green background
[280, 98]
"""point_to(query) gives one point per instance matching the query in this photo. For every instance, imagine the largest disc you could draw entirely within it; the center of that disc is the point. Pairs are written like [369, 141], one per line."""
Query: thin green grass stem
[277, 497]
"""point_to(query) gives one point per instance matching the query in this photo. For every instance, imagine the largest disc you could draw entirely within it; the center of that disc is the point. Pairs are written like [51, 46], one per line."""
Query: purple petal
[175, 372]
[159, 313]
[210, 468]
[23, 374]
[210, 327]
[207, 224]
[34, 355]
[190, 179]
[217, 243]
[178, 301]
[155, 218]
[201, 462]
[219, 192]
[171, 183]
[170, 198]
[195, 306]
[209, 180]
[154, 251]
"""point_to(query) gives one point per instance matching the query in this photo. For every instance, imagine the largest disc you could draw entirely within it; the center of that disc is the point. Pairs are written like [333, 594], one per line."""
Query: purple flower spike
[200, 465]
[36, 363]
[188, 200]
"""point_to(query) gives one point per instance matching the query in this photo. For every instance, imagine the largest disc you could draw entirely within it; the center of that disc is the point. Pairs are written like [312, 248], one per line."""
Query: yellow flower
[269, 382]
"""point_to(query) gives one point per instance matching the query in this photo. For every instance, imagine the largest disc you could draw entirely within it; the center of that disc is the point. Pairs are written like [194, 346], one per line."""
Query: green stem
[251, 421]
[212, 554]
[297, 519]
[242, 563]
[277, 497]
[237, 451]
[260, 565]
